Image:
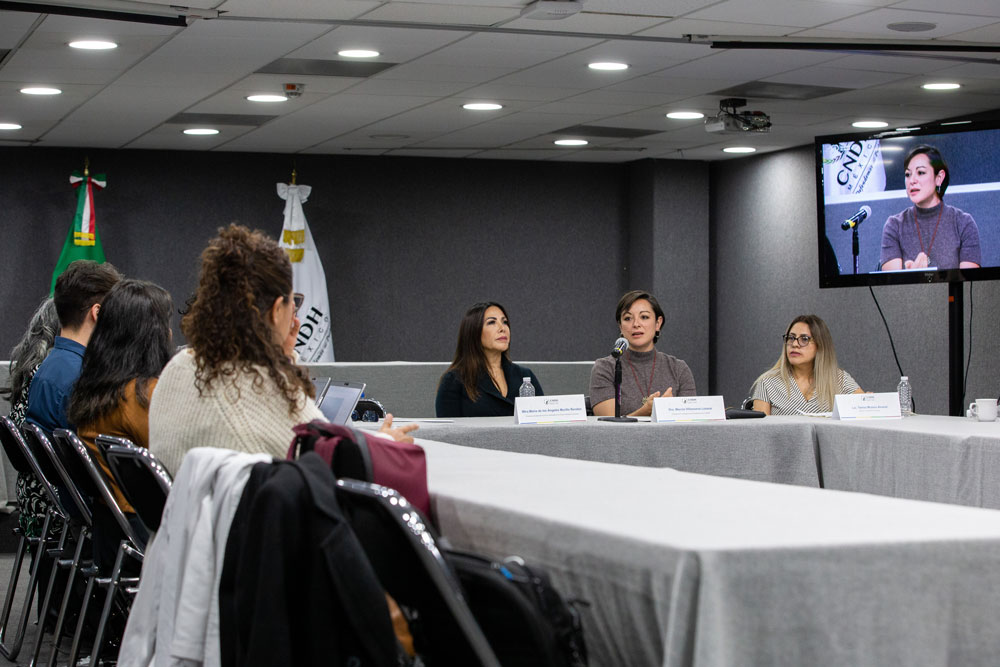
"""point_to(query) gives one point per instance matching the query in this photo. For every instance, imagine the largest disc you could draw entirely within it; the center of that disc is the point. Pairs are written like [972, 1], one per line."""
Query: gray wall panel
[407, 243]
[764, 230]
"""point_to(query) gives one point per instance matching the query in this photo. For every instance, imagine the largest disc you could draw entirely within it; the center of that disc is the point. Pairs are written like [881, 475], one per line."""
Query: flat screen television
[864, 172]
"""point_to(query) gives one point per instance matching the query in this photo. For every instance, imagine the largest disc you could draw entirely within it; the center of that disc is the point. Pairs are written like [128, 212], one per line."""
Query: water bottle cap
[905, 377]
[526, 379]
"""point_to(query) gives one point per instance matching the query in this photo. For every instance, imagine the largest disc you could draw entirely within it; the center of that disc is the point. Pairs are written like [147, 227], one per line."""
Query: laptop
[320, 385]
[338, 399]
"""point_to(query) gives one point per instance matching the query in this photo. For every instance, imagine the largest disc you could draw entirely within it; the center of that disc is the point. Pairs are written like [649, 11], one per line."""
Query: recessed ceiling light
[358, 53]
[911, 26]
[267, 98]
[941, 86]
[93, 45]
[201, 131]
[870, 123]
[685, 115]
[887, 148]
[9, 126]
[907, 129]
[571, 142]
[956, 122]
[608, 67]
[739, 149]
[482, 106]
[38, 90]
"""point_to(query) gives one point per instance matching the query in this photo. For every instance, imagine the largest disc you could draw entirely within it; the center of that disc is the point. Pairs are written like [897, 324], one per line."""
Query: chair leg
[74, 651]
[15, 572]
[56, 554]
[82, 539]
[11, 651]
[123, 549]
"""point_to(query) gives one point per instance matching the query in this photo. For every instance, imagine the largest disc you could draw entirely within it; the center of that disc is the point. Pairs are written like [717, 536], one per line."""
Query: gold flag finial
[294, 174]
[86, 167]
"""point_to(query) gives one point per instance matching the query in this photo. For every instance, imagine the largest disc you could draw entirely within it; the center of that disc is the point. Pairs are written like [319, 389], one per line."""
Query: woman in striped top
[806, 376]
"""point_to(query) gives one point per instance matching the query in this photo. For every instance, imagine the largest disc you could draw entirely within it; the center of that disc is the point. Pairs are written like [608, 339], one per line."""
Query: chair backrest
[14, 442]
[9, 436]
[81, 468]
[103, 442]
[52, 467]
[403, 551]
[142, 479]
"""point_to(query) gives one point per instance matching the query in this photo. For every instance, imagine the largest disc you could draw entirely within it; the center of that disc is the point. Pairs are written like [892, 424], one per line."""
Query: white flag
[314, 343]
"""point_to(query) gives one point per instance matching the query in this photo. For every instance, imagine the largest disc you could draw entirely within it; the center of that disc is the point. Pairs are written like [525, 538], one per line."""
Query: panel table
[693, 570]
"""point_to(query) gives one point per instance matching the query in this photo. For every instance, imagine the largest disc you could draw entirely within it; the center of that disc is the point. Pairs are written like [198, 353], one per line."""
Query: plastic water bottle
[905, 397]
[527, 389]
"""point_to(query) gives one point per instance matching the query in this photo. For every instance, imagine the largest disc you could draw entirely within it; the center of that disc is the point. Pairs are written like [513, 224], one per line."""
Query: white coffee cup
[984, 409]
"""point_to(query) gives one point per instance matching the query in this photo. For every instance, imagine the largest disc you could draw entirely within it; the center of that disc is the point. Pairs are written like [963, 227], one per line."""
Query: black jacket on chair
[453, 400]
[296, 586]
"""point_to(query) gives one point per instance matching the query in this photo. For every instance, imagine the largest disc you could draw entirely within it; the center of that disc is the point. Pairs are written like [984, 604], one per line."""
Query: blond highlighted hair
[826, 371]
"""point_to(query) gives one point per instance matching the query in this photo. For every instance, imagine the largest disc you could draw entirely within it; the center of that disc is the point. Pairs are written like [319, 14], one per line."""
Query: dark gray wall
[763, 226]
[407, 243]
[669, 254]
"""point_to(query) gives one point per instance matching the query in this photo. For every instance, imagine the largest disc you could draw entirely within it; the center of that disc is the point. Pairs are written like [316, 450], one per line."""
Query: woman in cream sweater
[237, 385]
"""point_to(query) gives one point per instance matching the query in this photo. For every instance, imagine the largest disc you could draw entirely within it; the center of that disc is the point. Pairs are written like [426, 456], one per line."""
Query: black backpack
[525, 619]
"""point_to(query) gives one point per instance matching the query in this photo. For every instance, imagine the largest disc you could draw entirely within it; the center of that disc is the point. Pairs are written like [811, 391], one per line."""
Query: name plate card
[867, 406]
[689, 409]
[549, 409]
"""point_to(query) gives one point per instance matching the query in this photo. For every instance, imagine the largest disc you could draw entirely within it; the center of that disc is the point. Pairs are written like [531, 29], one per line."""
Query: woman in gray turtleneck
[929, 234]
[646, 373]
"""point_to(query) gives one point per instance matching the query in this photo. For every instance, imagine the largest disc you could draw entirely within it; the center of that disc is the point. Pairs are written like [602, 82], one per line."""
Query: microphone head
[867, 210]
[621, 345]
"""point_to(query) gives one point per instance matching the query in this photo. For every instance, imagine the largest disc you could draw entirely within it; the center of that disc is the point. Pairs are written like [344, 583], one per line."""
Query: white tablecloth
[943, 459]
[685, 569]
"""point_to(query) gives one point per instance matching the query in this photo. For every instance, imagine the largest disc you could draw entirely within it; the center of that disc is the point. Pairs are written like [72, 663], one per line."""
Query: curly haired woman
[237, 385]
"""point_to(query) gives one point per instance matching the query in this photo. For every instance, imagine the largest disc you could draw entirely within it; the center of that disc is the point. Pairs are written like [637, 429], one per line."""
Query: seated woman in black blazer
[482, 381]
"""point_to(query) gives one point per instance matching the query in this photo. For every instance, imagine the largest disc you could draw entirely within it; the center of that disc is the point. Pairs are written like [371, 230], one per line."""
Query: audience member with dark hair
[129, 347]
[647, 373]
[237, 386]
[482, 381]
[78, 295]
[25, 358]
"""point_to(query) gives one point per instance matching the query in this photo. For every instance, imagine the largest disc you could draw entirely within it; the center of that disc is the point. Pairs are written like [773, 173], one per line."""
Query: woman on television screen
[482, 381]
[646, 372]
[806, 376]
[929, 234]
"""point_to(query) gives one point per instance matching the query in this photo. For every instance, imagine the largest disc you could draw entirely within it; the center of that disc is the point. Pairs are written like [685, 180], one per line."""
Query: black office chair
[25, 462]
[103, 442]
[403, 551]
[91, 481]
[143, 480]
[76, 535]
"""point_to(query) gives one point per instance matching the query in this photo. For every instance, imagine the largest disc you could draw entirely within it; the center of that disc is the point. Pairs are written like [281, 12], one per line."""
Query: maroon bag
[367, 457]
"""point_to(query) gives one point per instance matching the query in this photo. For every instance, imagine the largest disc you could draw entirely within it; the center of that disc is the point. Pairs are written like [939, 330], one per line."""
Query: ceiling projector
[551, 9]
[731, 121]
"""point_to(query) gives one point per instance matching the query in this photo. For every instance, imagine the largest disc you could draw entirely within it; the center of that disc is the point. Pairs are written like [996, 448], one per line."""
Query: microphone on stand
[852, 224]
[621, 346]
[857, 218]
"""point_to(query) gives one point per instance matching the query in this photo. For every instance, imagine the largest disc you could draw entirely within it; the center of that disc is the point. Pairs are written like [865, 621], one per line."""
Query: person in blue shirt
[78, 295]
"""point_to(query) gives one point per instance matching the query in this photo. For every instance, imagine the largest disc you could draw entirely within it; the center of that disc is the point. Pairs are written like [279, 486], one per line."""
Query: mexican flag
[315, 343]
[82, 242]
